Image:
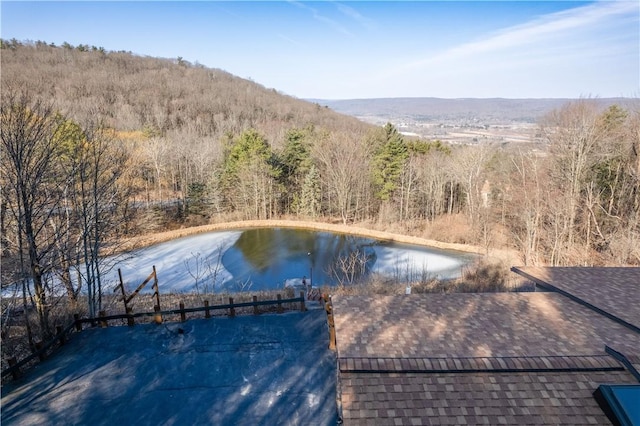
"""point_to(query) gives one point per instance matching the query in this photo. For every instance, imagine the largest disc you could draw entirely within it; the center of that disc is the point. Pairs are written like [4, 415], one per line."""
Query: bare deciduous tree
[31, 181]
[344, 171]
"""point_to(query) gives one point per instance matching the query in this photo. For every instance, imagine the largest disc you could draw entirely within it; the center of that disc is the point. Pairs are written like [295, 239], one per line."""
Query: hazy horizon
[471, 98]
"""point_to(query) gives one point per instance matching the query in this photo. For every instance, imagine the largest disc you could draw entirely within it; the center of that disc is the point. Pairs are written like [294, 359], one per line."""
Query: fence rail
[102, 320]
[41, 351]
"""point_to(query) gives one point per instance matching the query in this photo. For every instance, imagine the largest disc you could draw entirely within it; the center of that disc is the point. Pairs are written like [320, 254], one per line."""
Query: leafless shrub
[349, 270]
[478, 278]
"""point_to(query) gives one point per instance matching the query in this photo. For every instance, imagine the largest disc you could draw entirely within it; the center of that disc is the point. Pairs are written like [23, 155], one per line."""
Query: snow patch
[408, 264]
[178, 263]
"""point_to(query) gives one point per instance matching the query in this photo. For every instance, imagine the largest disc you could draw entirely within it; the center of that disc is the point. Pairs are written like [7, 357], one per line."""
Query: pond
[271, 258]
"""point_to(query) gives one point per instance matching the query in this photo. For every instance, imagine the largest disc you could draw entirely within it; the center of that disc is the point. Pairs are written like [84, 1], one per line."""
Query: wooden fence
[61, 336]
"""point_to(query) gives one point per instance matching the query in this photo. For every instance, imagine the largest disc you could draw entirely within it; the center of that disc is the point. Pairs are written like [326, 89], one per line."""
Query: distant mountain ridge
[441, 109]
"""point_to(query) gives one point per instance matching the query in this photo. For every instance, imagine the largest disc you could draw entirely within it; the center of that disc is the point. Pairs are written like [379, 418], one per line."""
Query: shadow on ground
[248, 370]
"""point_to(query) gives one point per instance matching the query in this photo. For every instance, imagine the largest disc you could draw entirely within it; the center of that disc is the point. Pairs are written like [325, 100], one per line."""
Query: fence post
[332, 329]
[103, 322]
[76, 318]
[15, 373]
[302, 307]
[41, 355]
[207, 314]
[332, 334]
[121, 285]
[155, 286]
[158, 316]
[232, 309]
[60, 334]
[280, 310]
[183, 316]
[255, 305]
[130, 321]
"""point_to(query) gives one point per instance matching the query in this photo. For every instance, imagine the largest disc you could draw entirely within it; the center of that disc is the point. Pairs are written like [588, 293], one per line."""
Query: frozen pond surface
[269, 258]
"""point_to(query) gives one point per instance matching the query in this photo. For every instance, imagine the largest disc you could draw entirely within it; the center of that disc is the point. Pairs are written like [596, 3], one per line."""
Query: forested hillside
[97, 146]
[167, 97]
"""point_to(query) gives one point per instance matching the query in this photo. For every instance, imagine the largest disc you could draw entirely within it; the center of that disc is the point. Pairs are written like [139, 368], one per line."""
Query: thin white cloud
[545, 28]
[318, 17]
[290, 40]
[355, 15]
[559, 54]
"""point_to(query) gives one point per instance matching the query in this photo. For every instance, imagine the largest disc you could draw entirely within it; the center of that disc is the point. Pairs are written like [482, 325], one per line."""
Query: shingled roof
[493, 358]
[613, 292]
[534, 398]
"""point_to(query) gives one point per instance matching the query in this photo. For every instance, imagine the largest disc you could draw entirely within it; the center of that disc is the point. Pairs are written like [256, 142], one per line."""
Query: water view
[270, 258]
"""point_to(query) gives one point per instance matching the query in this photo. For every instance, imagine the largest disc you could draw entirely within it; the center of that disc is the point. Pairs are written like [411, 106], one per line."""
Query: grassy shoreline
[160, 237]
[503, 255]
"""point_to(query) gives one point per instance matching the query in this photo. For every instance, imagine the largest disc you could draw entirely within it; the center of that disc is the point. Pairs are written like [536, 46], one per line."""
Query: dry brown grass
[481, 277]
[356, 229]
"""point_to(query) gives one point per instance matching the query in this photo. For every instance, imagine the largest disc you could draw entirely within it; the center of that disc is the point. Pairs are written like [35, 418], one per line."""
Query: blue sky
[358, 49]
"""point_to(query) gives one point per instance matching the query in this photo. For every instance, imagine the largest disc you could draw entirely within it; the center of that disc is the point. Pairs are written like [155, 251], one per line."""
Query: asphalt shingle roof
[475, 325]
[614, 291]
[550, 398]
[493, 358]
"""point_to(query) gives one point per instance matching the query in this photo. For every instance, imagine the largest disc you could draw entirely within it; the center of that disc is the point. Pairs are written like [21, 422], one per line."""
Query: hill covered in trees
[165, 97]
[98, 146]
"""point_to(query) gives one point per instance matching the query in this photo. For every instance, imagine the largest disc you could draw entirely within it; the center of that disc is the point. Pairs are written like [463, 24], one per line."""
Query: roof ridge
[479, 364]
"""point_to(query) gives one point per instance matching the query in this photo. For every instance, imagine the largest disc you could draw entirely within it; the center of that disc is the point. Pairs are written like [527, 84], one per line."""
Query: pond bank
[509, 257]
[160, 237]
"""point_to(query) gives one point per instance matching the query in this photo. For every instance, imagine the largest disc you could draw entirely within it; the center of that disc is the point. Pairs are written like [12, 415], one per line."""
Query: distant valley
[458, 121]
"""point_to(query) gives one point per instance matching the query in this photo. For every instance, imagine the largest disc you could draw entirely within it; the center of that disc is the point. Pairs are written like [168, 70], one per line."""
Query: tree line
[83, 167]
